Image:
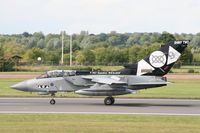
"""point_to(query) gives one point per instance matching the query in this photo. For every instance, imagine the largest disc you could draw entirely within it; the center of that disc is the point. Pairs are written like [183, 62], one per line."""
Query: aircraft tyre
[109, 101]
[52, 101]
[113, 100]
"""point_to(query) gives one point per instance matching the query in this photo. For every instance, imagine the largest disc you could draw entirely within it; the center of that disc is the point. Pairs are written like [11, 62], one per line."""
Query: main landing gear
[52, 101]
[109, 100]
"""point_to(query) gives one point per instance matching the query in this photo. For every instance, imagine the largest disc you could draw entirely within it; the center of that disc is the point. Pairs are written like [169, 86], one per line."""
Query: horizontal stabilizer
[150, 83]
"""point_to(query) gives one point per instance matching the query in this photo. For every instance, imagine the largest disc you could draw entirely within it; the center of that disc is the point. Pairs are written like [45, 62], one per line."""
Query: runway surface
[96, 106]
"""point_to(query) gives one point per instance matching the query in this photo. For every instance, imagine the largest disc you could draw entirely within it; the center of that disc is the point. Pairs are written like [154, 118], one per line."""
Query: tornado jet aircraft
[147, 73]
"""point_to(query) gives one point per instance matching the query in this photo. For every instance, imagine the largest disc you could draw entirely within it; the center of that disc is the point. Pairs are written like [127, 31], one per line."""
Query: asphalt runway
[96, 106]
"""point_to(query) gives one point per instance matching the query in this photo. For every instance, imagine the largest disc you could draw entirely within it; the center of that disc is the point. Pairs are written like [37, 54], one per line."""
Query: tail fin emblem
[157, 59]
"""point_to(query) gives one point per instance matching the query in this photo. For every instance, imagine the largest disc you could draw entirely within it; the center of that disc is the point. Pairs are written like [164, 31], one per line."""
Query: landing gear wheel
[113, 100]
[52, 101]
[109, 101]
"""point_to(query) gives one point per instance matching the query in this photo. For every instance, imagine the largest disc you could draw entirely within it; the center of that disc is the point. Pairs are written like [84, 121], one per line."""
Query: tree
[41, 44]
[166, 37]
[1, 58]
[85, 42]
[85, 57]
[26, 34]
[102, 37]
[134, 39]
[196, 41]
[111, 56]
[5, 64]
[38, 35]
[145, 39]
[118, 56]
[53, 57]
[33, 54]
[32, 42]
[50, 44]
[67, 59]
[75, 47]
[12, 48]
[57, 43]
[115, 40]
[107, 49]
[187, 56]
[134, 53]
[1, 52]
[100, 55]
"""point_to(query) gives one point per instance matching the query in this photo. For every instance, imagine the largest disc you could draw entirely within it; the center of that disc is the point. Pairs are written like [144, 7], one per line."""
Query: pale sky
[99, 16]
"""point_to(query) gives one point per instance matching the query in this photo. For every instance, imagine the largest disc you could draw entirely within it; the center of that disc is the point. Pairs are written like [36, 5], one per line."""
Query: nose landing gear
[52, 101]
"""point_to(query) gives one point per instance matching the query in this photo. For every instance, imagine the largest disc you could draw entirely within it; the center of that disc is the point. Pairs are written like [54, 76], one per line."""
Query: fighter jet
[147, 73]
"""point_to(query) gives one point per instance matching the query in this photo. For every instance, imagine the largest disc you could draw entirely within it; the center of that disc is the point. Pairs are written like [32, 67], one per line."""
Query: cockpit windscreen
[58, 73]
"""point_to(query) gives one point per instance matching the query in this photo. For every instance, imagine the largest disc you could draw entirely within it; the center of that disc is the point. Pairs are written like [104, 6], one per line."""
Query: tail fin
[161, 61]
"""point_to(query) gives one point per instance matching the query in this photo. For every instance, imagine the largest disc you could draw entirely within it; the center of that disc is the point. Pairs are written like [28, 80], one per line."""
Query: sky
[99, 16]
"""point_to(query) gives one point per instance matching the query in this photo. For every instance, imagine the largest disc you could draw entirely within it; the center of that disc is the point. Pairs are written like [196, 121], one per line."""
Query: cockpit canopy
[58, 73]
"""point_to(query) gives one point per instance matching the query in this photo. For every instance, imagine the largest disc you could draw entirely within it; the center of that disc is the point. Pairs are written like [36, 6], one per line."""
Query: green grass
[51, 123]
[18, 72]
[5, 89]
[184, 69]
[177, 89]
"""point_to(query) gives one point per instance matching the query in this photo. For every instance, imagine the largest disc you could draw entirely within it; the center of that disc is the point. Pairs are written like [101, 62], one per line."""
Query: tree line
[89, 49]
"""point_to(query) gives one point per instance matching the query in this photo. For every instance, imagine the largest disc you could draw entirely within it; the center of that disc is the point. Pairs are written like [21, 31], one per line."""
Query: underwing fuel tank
[101, 92]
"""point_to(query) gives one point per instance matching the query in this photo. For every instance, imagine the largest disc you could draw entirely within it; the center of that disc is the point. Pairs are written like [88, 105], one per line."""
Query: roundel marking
[52, 84]
[157, 59]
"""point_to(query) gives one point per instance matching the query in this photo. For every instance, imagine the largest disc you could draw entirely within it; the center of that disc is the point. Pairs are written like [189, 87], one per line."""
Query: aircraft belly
[99, 92]
[104, 90]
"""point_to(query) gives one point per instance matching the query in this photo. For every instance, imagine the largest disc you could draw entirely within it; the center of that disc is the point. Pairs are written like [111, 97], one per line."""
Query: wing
[109, 80]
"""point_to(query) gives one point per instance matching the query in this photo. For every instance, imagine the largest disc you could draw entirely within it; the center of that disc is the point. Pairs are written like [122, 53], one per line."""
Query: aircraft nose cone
[20, 86]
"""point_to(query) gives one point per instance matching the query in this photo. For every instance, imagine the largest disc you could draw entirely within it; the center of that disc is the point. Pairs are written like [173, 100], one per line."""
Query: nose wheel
[52, 101]
[109, 101]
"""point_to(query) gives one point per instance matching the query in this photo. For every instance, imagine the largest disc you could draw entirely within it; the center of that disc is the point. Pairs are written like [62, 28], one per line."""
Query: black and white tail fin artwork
[159, 62]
